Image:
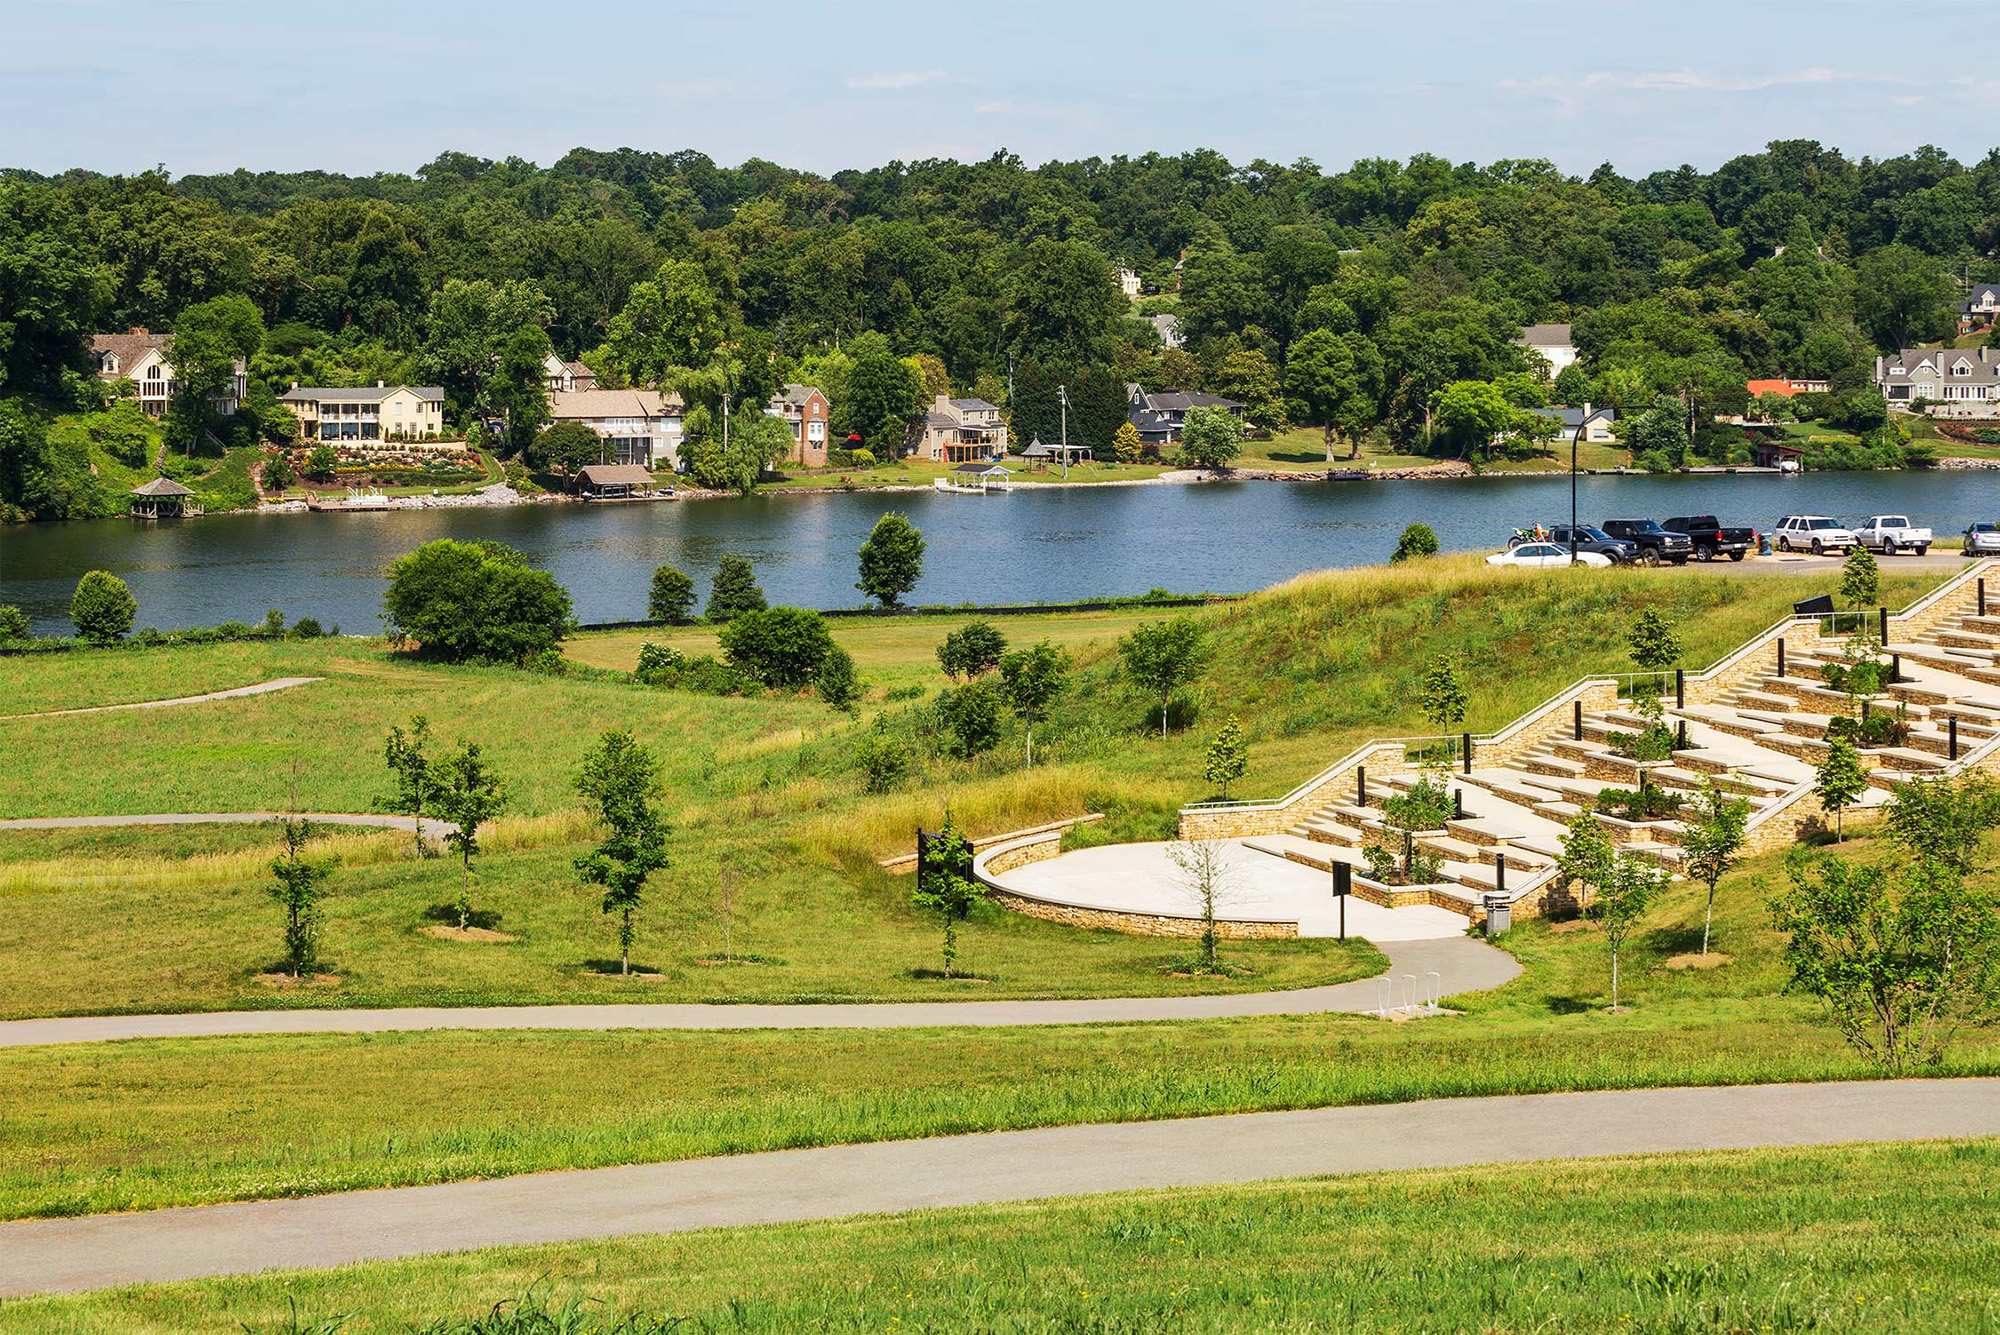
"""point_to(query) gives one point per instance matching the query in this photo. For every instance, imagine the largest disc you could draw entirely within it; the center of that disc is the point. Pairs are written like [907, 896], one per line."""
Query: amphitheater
[1755, 723]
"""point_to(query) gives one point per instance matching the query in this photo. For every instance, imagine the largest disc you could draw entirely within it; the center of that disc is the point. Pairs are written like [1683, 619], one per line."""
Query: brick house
[805, 410]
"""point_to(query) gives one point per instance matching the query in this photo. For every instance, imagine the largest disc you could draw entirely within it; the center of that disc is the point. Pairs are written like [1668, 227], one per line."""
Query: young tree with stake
[409, 761]
[299, 888]
[1655, 644]
[1441, 693]
[1032, 679]
[1712, 844]
[1586, 860]
[619, 779]
[1209, 881]
[945, 885]
[1228, 756]
[469, 794]
[1840, 782]
[1622, 902]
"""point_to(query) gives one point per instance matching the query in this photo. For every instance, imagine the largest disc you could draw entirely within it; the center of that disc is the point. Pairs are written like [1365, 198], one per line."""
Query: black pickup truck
[1655, 544]
[1711, 539]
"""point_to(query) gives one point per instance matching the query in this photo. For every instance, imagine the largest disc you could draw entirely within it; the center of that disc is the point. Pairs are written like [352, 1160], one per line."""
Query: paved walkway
[261, 688]
[1461, 963]
[66, 1255]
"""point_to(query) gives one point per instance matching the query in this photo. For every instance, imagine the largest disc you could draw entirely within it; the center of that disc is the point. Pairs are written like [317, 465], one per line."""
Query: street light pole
[1062, 393]
[1572, 484]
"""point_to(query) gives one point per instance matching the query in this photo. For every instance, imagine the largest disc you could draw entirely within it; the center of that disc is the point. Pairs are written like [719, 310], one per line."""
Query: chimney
[378, 384]
[139, 329]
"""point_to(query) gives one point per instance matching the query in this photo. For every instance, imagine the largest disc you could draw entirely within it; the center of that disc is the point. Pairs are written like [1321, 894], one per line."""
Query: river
[1036, 543]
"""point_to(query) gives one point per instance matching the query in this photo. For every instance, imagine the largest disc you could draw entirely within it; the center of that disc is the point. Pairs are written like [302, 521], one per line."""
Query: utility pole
[1062, 394]
[725, 421]
[1010, 381]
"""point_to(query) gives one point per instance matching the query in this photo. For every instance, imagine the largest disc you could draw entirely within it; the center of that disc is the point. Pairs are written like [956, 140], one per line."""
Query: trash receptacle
[1499, 914]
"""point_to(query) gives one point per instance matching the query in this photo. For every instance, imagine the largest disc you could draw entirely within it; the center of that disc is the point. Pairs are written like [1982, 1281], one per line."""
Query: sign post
[1343, 885]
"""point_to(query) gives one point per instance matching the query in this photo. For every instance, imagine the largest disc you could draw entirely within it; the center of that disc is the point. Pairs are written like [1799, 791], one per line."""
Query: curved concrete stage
[1142, 880]
[1461, 963]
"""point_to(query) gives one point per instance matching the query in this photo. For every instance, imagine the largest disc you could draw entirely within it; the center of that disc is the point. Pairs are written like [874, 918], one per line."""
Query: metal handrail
[1567, 695]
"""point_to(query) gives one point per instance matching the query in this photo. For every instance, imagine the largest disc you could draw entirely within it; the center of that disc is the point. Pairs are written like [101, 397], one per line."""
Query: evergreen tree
[1860, 579]
[671, 598]
[735, 590]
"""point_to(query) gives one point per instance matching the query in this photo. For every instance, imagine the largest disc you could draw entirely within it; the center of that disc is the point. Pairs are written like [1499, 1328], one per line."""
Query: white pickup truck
[1889, 534]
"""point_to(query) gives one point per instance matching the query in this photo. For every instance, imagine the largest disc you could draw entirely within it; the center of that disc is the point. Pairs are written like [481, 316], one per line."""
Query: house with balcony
[958, 431]
[805, 410]
[1159, 418]
[140, 356]
[639, 426]
[379, 412]
[559, 376]
[1953, 382]
[1977, 311]
[1785, 387]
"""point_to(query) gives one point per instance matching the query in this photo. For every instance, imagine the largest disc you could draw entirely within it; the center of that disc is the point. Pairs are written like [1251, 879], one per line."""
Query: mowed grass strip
[144, 1124]
[1883, 1239]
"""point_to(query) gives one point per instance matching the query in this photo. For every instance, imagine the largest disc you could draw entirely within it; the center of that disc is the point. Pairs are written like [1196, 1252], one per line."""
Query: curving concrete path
[1461, 963]
[235, 692]
[67, 1255]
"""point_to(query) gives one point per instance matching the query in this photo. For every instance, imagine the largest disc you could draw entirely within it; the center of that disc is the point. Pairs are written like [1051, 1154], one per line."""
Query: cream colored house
[383, 412]
[1553, 342]
[559, 376]
[962, 431]
[639, 426]
[140, 356]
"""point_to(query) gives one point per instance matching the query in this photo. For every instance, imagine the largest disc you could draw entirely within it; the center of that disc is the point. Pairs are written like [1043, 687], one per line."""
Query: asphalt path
[67, 1255]
[1460, 963]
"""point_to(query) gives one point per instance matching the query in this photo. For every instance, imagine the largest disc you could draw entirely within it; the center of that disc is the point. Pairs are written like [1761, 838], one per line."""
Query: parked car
[1544, 556]
[1655, 544]
[1889, 534]
[1711, 539]
[1596, 540]
[1982, 539]
[1812, 533]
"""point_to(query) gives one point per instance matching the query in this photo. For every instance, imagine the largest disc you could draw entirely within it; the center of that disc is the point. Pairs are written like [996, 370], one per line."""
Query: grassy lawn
[921, 473]
[138, 1125]
[765, 793]
[1847, 1239]
[1304, 449]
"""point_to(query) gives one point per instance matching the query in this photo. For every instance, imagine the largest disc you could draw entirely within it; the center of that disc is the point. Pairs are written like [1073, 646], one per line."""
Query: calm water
[1036, 543]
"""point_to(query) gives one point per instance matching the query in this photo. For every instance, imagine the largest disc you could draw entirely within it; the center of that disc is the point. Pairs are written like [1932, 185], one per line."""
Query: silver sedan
[1982, 539]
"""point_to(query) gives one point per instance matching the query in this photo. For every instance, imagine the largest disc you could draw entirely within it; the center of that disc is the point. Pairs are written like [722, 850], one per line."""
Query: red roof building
[1785, 387]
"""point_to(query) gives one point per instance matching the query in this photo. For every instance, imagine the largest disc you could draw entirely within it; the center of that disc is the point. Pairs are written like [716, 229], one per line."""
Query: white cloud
[877, 83]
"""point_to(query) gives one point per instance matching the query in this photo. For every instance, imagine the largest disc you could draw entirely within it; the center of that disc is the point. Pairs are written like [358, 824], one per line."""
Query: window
[815, 431]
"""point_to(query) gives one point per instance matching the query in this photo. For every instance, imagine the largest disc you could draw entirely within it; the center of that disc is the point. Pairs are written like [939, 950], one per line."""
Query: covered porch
[162, 498]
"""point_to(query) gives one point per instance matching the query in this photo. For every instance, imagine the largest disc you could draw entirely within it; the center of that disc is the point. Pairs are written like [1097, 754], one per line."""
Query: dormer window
[111, 363]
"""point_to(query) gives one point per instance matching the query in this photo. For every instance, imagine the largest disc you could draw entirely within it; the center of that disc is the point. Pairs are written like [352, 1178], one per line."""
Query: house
[1553, 342]
[1158, 418]
[804, 409]
[1786, 387]
[1168, 327]
[962, 431]
[1979, 308]
[380, 412]
[1128, 282]
[140, 356]
[611, 482]
[1957, 382]
[559, 376]
[639, 426]
[1596, 422]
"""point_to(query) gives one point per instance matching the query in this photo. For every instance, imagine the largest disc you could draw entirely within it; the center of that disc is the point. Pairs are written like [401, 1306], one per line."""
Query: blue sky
[366, 85]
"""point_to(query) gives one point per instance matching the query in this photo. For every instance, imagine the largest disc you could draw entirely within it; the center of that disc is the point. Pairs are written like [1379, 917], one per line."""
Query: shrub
[1417, 540]
[13, 623]
[655, 659]
[837, 684]
[1426, 805]
[278, 472]
[735, 590]
[971, 649]
[884, 760]
[1651, 802]
[306, 628]
[672, 597]
[466, 601]
[320, 463]
[102, 608]
[971, 714]
[779, 646]
[892, 559]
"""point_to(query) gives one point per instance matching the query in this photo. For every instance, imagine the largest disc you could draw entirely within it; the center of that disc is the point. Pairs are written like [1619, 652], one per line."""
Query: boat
[357, 500]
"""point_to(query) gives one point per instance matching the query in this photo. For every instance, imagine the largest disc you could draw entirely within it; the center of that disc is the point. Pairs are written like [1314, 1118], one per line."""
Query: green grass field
[139, 1125]
[1886, 1240]
[765, 792]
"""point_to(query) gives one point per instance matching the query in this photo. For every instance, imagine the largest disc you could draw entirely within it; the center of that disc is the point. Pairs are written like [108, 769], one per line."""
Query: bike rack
[1383, 995]
[1409, 1006]
[1433, 990]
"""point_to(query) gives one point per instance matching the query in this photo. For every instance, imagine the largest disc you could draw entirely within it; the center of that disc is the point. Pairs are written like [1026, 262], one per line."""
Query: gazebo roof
[1037, 450]
[616, 475]
[987, 469]
[162, 486]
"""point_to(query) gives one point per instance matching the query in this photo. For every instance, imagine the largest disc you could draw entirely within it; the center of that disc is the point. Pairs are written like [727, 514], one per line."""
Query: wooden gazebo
[162, 498]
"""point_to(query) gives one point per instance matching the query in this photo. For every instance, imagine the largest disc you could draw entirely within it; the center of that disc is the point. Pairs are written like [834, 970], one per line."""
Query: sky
[367, 85]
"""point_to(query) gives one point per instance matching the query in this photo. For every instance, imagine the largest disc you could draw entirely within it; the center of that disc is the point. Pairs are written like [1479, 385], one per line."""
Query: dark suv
[1590, 539]
[1655, 544]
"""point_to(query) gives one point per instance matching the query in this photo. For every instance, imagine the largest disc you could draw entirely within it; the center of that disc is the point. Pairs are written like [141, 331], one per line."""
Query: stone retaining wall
[1138, 924]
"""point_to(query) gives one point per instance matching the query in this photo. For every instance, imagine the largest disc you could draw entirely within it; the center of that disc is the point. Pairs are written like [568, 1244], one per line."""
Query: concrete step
[1328, 832]
[1551, 765]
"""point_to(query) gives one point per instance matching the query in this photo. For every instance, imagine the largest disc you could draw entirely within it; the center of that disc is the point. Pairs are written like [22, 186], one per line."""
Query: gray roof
[1179, 401]
[1573, 417]
[1545, 336]
[975, 406]
[797, 394]
[162, 486]
[362, 394]
[1037, 450]
[1984, 364]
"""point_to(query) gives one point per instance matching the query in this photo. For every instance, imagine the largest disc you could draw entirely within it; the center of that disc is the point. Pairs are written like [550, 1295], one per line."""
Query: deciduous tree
[892, 559]
[1228, 756]
[1163, 656]
[1033, 678]
[619, 780]
[102, 608]
[467, 792]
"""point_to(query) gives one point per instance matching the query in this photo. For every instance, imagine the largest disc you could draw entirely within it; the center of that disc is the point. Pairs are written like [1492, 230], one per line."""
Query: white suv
[1813, 533]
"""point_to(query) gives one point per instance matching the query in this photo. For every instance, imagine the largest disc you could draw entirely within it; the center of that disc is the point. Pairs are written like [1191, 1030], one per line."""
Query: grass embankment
[140, 1125]
[920, 473]
[1891, 1238]
[125, 447]
[764, 792]
[1303, 449]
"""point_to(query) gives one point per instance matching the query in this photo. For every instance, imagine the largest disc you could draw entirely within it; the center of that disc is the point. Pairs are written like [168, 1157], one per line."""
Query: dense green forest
[1380, 299]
